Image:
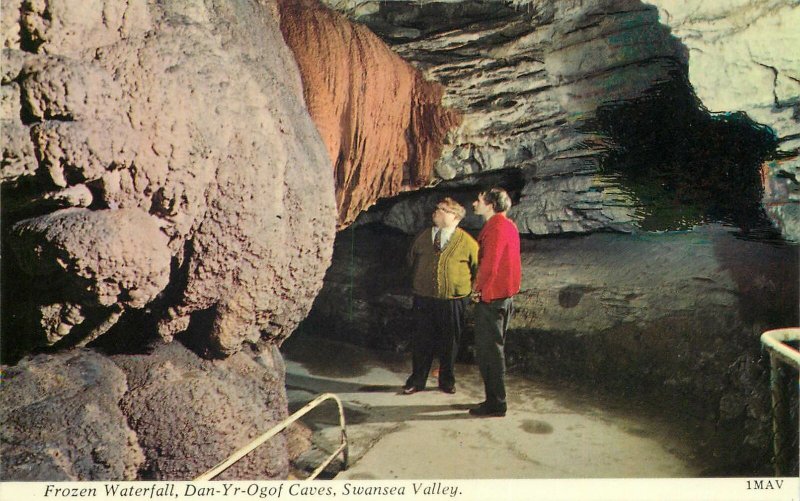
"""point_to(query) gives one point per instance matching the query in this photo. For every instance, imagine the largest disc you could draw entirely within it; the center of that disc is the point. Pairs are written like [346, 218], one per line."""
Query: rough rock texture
[111, 256]
[198, 192]
[61, 420]
[190, 414]
[536, 83]
[743, 57]
[528, 80]
[675, 317]
[382, 122]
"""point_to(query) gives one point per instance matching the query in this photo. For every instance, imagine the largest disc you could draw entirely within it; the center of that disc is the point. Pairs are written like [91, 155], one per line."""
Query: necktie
[437, 241]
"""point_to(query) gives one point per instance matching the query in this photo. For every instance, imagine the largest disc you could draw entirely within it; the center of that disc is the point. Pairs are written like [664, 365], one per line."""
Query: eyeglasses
[444, 210]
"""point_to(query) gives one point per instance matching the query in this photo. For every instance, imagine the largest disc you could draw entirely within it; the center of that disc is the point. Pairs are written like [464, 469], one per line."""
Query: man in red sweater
[499, 277]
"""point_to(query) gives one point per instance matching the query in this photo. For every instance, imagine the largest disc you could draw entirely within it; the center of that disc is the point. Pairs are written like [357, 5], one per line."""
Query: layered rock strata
[382, 122]
[139, 172]
[528, 80]
[532, 79]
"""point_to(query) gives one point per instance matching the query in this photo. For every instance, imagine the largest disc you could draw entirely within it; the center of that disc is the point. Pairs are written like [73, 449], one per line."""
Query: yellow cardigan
[448, 275]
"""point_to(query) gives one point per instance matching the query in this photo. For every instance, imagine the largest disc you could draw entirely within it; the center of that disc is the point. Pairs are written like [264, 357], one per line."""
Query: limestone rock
[382, 122]
[532, 79]
[742, 57]
[528, 79]
[106, 256]
[190, 414]
[64, 27]
[9, 24]
[678, 314]
[219, 188]
[61, 420]
[18, 158]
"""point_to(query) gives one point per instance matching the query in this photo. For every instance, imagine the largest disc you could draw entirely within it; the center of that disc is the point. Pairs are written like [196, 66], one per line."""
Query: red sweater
[499, 263]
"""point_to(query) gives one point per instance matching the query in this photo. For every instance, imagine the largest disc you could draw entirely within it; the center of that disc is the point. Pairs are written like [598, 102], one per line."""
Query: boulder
[62, 421]
[190, 414]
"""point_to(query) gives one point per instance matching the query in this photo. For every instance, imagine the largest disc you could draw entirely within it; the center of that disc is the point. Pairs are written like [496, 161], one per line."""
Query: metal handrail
[239, 454]
[775, 341]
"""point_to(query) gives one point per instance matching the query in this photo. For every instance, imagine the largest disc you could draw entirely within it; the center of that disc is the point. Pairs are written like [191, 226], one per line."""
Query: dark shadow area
[307, 345]
[134, 334]
[427, 19]
[685, 165]
[329, 415]
[17, 291]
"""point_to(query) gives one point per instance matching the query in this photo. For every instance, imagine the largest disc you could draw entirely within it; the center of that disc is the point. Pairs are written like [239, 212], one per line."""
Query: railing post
[780, 415]
[781, 353]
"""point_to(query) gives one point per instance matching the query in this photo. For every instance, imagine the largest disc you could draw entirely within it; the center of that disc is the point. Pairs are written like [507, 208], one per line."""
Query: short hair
[453, 207]
[498, 198]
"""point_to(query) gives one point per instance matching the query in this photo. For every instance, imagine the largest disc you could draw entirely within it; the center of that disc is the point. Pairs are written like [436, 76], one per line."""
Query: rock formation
[189, 414]
[382, 122]
[536, 83]
[62, 421]
[139, 172]
[165, 415]
[162, 176]
[742, 57]
[528, 81]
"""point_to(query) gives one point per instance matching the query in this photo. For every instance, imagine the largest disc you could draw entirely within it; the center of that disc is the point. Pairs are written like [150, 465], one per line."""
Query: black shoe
[448, 389]
[410, 390]
[485, 411]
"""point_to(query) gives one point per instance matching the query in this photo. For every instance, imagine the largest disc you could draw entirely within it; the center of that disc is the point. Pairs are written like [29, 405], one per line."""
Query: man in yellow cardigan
[444, 262]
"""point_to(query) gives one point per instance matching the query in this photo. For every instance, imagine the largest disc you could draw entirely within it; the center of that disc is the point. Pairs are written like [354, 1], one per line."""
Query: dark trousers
[438, 323]
[491, 323]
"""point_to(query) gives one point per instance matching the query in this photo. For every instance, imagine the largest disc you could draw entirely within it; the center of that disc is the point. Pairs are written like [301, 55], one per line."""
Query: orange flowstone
[382, 122]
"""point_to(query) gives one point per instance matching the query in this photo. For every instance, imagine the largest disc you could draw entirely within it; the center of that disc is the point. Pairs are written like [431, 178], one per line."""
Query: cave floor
[548, 432]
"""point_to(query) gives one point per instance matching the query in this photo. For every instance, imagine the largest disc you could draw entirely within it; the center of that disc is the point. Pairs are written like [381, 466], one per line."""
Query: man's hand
[475, 297]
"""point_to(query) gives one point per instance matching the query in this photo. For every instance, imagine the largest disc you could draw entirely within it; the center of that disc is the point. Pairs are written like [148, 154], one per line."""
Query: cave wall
[530, 79]
[671, 320]
[742, 57]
